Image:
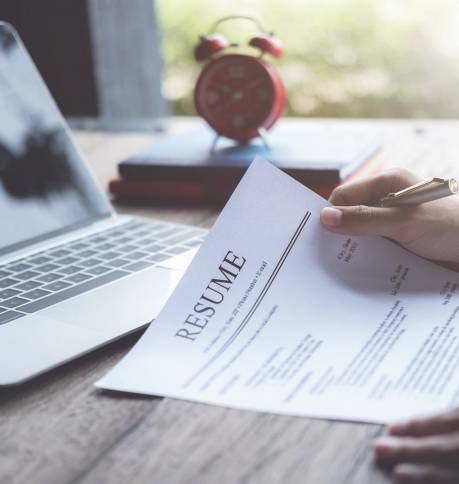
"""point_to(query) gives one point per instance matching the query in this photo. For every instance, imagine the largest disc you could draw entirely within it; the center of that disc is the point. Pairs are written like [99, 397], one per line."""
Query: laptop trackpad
[120, 306]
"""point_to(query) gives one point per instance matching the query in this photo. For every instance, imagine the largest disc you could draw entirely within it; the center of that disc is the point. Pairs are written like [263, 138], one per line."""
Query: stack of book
[183, 167]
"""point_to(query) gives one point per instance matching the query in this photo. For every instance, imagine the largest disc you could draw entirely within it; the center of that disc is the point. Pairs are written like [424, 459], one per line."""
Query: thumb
[363, 220]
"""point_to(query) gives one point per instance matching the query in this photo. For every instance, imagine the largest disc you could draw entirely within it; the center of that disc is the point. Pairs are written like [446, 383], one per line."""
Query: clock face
[238, 94]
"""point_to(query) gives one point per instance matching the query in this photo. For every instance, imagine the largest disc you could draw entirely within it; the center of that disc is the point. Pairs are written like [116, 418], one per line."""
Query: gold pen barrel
[422, 193]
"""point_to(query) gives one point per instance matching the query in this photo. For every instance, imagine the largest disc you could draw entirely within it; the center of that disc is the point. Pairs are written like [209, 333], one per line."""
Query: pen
[423, 192]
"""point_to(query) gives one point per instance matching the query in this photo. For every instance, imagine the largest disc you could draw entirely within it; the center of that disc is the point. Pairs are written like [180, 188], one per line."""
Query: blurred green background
[343, 58]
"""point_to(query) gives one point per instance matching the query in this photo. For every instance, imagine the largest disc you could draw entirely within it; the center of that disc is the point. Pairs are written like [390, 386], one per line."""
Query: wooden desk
[60, 429]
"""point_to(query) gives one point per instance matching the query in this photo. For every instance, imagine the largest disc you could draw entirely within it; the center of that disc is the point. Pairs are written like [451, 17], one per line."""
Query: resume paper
[276, 314]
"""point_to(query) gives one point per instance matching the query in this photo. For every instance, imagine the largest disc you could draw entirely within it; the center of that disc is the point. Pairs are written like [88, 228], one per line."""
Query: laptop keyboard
[35, 282]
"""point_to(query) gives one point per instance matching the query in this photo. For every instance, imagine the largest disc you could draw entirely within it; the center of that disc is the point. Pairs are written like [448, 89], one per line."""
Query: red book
[195, 192]
[156, 191]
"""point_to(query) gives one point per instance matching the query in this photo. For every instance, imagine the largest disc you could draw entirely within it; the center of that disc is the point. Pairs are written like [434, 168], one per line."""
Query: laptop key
[109, 255]
[97, 240]
[167, 233]
[127, 248]
[68, 271]
[156, 248]
[19, 267]
[7, 293]
[9, 281]
[50, 277]
[90, 262]
[28, 285]
[106, 246]
[159, 257]
[36, 294]
[40, 260]
[79, 246]
[66, 261]
[142, 233]
[147, 241]
[123, 240]
[117, 262]
[137, 255]
[80, 277]
[115, 233]
[73, 291]
[99, 270]
[7, 316]
[47, 268]
[14, 302]
[139, 265]
[27, 275]
[87, 253]
[57, 254]
[57, 286]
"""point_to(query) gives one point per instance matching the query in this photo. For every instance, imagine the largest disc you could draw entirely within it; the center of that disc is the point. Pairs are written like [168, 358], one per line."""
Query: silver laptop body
[73, 274]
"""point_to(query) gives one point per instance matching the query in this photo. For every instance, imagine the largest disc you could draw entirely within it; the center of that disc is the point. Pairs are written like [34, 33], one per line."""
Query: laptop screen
[45, 186]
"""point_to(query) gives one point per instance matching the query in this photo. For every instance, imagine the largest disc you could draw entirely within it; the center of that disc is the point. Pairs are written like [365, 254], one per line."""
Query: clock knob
[209, 45]
[267, 43]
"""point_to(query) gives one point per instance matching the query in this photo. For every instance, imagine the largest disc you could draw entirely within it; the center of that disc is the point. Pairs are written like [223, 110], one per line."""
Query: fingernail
[384, 447]
[331, 217]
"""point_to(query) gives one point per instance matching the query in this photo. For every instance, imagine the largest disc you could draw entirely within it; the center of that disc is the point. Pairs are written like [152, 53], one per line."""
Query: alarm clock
[240, 96]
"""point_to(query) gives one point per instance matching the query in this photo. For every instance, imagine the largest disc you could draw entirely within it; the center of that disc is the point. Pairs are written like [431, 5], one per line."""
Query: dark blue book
[315, 153]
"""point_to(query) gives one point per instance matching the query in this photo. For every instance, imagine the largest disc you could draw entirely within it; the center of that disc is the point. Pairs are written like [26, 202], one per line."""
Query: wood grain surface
[59, 429]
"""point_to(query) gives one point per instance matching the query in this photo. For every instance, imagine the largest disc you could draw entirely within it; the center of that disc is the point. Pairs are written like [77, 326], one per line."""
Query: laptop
[73, 274]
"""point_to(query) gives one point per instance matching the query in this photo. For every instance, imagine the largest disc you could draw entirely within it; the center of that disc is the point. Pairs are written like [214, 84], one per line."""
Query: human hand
[423, 450]
[430, 230]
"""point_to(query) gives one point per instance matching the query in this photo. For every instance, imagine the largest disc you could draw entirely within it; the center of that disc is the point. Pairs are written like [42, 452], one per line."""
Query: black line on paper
[257, 302]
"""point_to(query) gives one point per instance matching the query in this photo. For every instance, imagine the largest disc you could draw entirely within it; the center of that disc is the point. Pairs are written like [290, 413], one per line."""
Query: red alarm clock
[240, 96]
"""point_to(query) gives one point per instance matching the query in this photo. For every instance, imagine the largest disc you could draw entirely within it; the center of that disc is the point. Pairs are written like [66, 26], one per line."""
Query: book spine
[212, 174]
[180, 192]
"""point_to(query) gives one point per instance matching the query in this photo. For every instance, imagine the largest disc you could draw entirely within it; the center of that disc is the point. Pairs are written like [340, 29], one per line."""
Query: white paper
[309, 323]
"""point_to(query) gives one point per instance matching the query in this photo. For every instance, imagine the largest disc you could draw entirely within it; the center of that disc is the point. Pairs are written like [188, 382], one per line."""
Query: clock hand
[234, 97]
[252, 84]
[239, 94]
[224, 92]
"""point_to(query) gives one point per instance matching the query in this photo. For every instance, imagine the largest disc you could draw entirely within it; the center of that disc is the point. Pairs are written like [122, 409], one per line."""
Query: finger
[425, 474]
[364, 220]
[442, 423]
[441, 450]
[368, 189]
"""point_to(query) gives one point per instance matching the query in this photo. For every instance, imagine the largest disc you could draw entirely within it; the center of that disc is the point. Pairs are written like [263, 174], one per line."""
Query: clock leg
[213, 146]
[263, 134]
